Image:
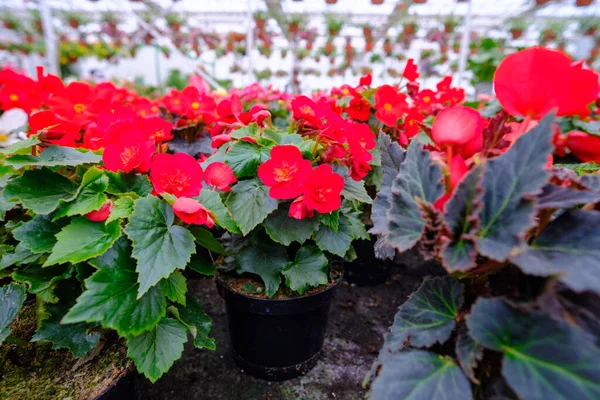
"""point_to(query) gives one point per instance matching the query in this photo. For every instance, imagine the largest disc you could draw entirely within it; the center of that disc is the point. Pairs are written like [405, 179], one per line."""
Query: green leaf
[174, 287]
[245, 157]
[508, 180]
[309, 269]
[581, 168]
[206, 239]
[419, 178]
[21, 145]
[248, 130]
[392, 157]
[332, 220]
[212, 201]
[570, 247]
[462, 218]
[122, 183]
[338, 242]
[40, 190]
[249, 203]
[41, 280]
[155, 351]
[553, 196]
[122, 208]
[199, 324]
[419, 375]
[75, 337]
[355, 190]
[110, 296]
[19, 256]
[592, 127]
[428, 316]
[202, 265]
[38, 234]
[83, 239]
[159, 246]
[90, 195]
[468, 352]
[266, 260]
[356, 226]
[543, 358]
[54, 156]
[12, 297]
[285, 229]
[250, 288]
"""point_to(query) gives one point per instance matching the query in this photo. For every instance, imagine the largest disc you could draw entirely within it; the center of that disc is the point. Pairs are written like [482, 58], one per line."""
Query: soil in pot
[281, 337]
[35, 371]
[367, 270]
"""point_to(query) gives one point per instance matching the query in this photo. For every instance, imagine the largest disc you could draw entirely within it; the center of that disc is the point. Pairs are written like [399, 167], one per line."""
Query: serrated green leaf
[355, 190]
[159, 246]
[245, 157]
[38, 234]
[249, 203]
[211, 200]
[248, 130]
[462, 218]
[40, 190]
[419, 375]
[309, 269]
[428, 316]
[75, 337]
[543, 358]
[128, 183]
[206, 239]
[356, 226]
[12, 297]
[419, 178]
[199, 324]
[21, 145]
[338, 242]
[202, 265]
[332, 220]
[155, 351]
[508, 179]
[41, 280]
[468, 352]
[90, 195]
[54, 156]
[19, 256]
[175, 287]
[592, 127]
[284, 229]
[554, 196]
[110, 296]
[83, 239]
[266, 260]
[581, 168]
[569, 247]
[122, 208]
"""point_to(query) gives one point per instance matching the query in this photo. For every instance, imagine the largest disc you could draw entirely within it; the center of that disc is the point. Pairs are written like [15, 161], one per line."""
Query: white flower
[12, 122]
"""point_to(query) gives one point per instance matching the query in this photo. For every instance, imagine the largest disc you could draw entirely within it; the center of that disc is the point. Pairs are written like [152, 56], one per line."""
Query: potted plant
[517, 27]
[260, 19]
[296, 21]
[588, 26]
[583, 3]
[75, 19]
[450, 23]
[11, 21]
[367, 31]
[516, 239]
[175, 21]
[36, 20]
[388, 47]
[285, 253]
[551, 30]
[97, 253]
[410, 27]
[334, 25]
[111, 20]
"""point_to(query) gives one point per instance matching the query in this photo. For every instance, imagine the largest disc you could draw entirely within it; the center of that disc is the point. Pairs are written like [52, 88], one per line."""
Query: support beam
[399, 12]
[250, 44]
[464, 44]
[49, 38]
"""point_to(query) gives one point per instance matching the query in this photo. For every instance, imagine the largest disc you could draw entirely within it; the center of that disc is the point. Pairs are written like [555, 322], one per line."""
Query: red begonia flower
[75, 105]
[535, 81]
[230, 107]
[102, 213]
[53, 129]
[359, 108]
[458, 170]
[456, 127]
[285, 172]
[177, 174]
[299, 210]
[440, 203]
[322, 189]
[219, 175]
[192, 212]
[390, 105]
[410, 71]
[584, 146]
[220, 140]
[132, 152]
[156, 128]
[365, 80]
[305, 108]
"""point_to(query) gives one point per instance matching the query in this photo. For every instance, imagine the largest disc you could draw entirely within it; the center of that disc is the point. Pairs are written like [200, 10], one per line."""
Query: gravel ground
[359, 318]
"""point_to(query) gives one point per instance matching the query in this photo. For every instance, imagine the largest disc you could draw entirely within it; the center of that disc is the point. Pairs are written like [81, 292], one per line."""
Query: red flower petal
[456, 127]
[219, 175]
[178, 174]
[102, 213]
[192, 212]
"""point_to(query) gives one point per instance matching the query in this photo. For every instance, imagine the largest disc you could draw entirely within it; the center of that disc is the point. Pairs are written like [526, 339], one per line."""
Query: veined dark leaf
[428, 316]
[12, 297]
[507, 214]
[266, 260]
[554, 196]
[126, 183]
[462, 218]
[309, 269]
[285, 229]
[198, 323]
[249, 203]
[334, 242]
[38, 234]
[206, 239]
[570, 247]
[543, 358]
[90, 195]
[418, 177]
[41, 280]
[54, 156]
[591, 182]
[419, 375]
[174, 287]
[245, 157]
[468, 351]
[211, 200]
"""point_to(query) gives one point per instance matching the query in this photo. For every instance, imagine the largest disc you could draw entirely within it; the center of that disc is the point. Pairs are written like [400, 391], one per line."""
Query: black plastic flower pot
[367, 270]
[123, 388]
[277, 339]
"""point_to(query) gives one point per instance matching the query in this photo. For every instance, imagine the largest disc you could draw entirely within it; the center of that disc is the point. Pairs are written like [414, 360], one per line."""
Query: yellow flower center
[79, 107]
[345, 91]
[13, 97]
[3, 137]
[307, 110]
[285, 173]
[426, 99]
[195, 105]
[176, 102]
[387, 106]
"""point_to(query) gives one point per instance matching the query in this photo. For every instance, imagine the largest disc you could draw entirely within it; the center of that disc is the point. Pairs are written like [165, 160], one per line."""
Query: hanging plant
[334, 25]
[583, 3]
[367, 31]
[75, 19]
[295, 23]
[369, 45]
[329, 48]
[111, 20]
[375, 58]
[410, 28]
[450, 23]
[260, 19]
[388, 47]
[376, 2]
[456, 46]
[11, 21]
[36, 20]
[174, 21]
[588, 26]
[517, 27]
